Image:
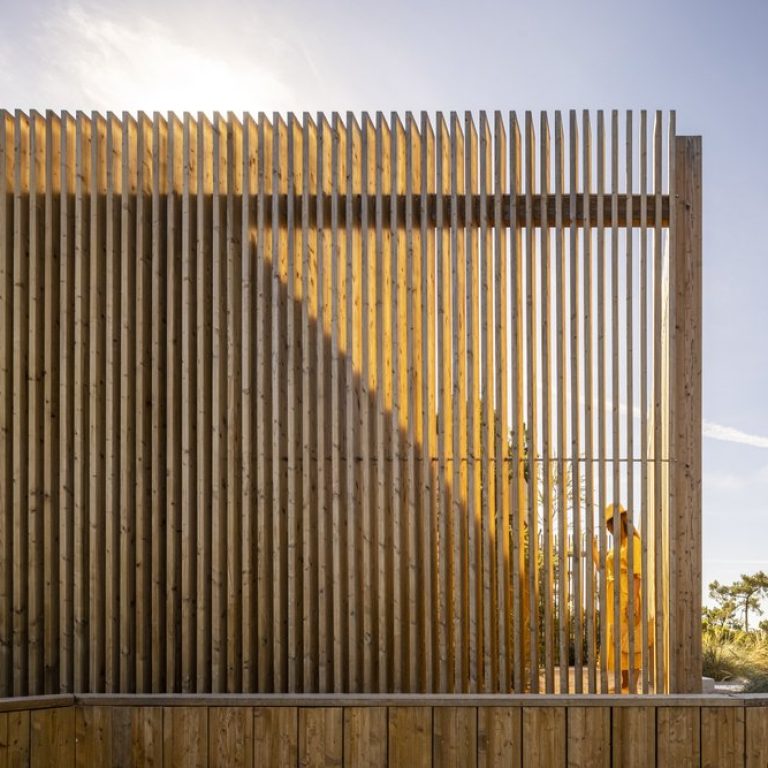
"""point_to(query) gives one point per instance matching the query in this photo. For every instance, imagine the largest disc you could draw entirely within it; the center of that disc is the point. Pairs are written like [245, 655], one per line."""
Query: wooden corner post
[686, 418]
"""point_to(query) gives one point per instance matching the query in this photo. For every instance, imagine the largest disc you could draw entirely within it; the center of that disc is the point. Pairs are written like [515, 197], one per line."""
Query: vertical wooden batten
[297, 405]
[686, 394]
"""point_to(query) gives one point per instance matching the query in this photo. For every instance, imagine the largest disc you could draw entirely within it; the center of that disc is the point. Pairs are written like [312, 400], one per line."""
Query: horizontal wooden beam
[419, 700]
[582, 209]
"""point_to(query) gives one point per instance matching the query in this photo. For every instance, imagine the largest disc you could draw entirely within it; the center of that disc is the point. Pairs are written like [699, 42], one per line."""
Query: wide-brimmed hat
[611, 509]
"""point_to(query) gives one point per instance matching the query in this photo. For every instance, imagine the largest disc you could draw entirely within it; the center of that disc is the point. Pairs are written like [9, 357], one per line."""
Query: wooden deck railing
[407, 731]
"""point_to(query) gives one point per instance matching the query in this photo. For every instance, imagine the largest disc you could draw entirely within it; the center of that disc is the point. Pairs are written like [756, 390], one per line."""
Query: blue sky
[707, 60]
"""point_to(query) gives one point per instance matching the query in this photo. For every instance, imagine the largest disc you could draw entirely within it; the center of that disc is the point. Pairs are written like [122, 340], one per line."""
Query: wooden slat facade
[336, 404]
[722, 731]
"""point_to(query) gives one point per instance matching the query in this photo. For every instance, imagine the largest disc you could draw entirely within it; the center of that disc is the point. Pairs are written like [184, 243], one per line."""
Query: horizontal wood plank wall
[385, 731]
[280, 398]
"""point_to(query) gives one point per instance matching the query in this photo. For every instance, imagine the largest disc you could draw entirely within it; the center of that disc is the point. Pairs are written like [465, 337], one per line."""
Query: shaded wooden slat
[202, 355]
[320, 737]
[275, 736]
[660, 615]
[293, 415]
[147, 743]
[576, 377]
[219, 529]
[409, 737]
[589, 419]
[618, 620]
[398, 416]
[96, 401]
[419, 657]
[544, 740]
[160, 405]
[589, 736]
[472, 456]
[246, 360]
[81, 378]
[459, 449]
[633, 567]
[323, 290]
[633, 735]
[560, 418]
[351, 399]
[428, 451]
[20, 352]
[52, 737]
[383, 398]
[365, 737]
[545, 336]
[488, 619]
[517, 471]
[678, 736]
[237, 511]
[143, 379]
[499, 737]
[93, 736]
[264, 413]
[112, 333]
[685, 416]
[35, 416]
[337, 349]
[756, 736]
[175, 412]
[7, 127]
[501, 416]
[51, 456]
[128, 498]
[646, 674]
[454, 736]
[445, 373]
[279, 405]
[66, 406]
[722, 737]
[185, 737]
[530, 388]
[600, 342]
[230, 737]
[309, 321]
[14, 747]
[369, 386]
[188, 634]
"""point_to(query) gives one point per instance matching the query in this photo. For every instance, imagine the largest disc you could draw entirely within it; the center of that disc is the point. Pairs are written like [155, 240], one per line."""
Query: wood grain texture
[544, 739]
[410, 737]
[589, 736]
[185, 737]
[230, 737]
[722, 737]
[275, 736]
[321, 737]
[365, 737]
[678, 736]
[499, 736]
[633, 734]
[756, 736]
[454, 736]
[52, 737]
[307, 404]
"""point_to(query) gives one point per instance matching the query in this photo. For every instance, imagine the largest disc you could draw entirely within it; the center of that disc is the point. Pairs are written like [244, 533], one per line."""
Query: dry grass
[738, 658]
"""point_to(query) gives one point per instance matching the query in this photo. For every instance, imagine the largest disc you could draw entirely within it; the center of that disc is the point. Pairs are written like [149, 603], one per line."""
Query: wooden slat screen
[323, 404]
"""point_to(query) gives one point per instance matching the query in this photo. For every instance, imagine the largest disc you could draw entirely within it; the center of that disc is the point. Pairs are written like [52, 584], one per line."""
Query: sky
[707, 60]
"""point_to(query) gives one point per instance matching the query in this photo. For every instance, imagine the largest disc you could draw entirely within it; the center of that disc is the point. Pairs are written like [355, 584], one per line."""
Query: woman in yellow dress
[625, 620]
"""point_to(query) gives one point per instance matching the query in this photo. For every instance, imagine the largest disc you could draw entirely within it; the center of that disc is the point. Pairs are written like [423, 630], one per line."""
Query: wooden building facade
[336, 404]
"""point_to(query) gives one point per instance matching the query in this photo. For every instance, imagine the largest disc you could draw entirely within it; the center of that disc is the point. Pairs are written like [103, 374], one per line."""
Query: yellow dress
[625, 585]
